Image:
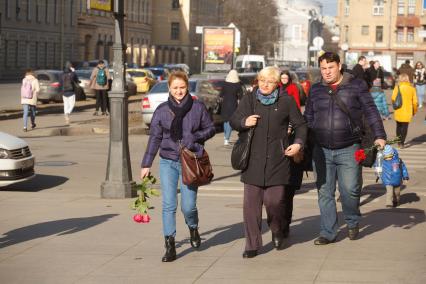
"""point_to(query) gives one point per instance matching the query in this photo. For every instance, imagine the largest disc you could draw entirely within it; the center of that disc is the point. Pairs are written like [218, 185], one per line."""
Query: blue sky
[329, 7]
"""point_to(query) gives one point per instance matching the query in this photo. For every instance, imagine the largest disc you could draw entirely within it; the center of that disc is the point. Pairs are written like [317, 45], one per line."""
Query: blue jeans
[170, 175]
[227, 129]
[331, 165]
[420, 91]
[32, 111]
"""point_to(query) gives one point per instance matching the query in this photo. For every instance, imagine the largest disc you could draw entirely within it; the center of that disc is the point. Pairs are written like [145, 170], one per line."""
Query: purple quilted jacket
[197, 128]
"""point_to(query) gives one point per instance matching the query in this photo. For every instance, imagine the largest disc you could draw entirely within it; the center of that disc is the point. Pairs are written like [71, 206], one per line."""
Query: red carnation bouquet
[361, 154]
[141, 204]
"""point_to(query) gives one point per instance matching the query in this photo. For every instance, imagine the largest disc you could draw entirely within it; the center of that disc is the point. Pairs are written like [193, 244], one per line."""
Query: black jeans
[401, 131]
[101, 100]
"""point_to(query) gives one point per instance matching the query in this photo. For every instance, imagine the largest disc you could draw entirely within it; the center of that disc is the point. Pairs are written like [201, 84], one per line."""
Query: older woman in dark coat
[268, 170]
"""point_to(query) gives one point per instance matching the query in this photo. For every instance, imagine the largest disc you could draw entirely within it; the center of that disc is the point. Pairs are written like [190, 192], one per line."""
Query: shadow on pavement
[58, 227]
[415, 141]
[38, 183]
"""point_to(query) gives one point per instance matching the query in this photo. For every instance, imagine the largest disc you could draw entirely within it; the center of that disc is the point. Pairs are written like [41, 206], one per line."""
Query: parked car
[51, 88]
[178, 67]
[143, 78]
[50, 85]
[248, 80]
[199, 89]
[130, 86]
[16, 160]
[84, 78]
[160, 73]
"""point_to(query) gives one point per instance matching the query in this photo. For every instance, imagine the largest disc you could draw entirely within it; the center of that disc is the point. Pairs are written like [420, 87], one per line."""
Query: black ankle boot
[277, 240]
[170, 254]
[195, 238]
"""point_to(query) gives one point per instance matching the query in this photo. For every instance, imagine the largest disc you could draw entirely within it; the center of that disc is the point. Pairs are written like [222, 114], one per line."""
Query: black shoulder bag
[364, 132]
[241, 151]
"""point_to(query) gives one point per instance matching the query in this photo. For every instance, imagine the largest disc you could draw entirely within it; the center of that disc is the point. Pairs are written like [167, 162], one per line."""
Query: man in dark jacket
[407, 69]
[336, 143]
[69, 83]
[359, 69]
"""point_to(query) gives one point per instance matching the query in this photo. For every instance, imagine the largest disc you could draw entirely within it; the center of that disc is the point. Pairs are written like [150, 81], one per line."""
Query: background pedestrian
[69, 82]
[231, 93]
[29, 91]
[404, 114]
[99, 82]
[420, 82]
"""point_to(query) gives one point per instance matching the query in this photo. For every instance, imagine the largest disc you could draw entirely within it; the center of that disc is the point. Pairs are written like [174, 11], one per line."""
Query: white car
[16, 160]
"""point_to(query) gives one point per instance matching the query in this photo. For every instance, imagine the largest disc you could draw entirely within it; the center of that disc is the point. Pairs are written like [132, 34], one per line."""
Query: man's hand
[380, 142]
[144, 172]
[292, 150]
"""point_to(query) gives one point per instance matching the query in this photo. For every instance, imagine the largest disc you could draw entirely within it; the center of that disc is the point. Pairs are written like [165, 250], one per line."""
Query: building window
[400, 34]
[71, 12]
[28, 10]
[18, 9]
[411, 7]
[410, 34]
[365, 30]
[16, 53]
[38, 11]
[297, 32]
[378, 7]
[346, 33]
[424, 33]
[6, 8]
[175, 4]
[174, 33]
[347, 3]
[47, 14]
[401, 7]
[379, 33]
[55, 11]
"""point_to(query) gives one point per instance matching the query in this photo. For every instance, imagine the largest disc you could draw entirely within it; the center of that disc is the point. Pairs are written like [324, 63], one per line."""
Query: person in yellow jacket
[404, 114]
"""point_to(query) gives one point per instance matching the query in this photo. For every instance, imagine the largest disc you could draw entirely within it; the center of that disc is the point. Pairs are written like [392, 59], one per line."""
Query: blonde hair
[270, 72]
[403, 77]
[232, 76]
[178, 75]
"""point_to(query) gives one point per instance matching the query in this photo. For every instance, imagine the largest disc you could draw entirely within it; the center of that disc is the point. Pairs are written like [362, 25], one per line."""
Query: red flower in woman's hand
[360, 155]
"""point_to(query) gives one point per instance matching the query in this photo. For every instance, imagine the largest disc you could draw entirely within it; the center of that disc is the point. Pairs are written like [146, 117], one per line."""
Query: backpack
[27, 89]
[67, 82]
[101, 78]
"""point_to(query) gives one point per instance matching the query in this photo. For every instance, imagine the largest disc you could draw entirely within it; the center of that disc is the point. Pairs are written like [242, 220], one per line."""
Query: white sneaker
[226, 143]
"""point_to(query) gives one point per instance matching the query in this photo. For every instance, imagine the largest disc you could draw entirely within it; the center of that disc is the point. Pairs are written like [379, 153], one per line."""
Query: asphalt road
[10, 96]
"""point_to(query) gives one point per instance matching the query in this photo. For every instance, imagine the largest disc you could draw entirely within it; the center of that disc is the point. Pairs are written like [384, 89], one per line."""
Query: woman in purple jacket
[179, 121]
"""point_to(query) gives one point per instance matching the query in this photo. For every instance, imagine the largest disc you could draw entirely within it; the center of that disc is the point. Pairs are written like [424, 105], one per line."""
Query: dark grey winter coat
[268, 165]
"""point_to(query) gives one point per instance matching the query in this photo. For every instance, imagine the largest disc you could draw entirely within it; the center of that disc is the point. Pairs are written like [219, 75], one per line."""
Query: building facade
[174, 29]
[36, 34]
[391, 31]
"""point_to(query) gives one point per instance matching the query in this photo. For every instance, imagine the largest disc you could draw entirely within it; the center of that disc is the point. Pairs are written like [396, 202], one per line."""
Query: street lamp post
[118, 182]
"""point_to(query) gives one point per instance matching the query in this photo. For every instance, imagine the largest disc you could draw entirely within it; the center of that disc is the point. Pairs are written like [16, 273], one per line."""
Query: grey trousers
[254, 198]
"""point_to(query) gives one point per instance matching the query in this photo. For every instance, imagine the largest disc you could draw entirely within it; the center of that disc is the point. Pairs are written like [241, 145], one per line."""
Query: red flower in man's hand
[360, 155]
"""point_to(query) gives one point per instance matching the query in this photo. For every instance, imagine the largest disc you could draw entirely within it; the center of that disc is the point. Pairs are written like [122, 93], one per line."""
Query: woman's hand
[252, 120]
[144, 172]
[292, 150]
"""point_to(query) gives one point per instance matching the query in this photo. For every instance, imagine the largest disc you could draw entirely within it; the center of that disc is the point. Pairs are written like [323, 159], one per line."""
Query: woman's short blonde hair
[403, 77]
[270, 72]
[178, 75]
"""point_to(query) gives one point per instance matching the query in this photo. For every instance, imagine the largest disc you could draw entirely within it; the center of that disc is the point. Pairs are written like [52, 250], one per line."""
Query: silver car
[200, 89]
[16, 160]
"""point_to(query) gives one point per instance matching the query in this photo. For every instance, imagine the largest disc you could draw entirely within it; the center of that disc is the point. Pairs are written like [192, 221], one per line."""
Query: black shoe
[195, 238]
[353, 233]
[286, 232]
[24, 129]
[96, 113]
[170, 254]
[277, 240]
[323, 241]
[249, 253]
[103, 113]
[33, 126]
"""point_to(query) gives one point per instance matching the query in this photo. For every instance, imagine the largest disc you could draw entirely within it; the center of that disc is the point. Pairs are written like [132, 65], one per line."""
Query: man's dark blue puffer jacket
[331, 126]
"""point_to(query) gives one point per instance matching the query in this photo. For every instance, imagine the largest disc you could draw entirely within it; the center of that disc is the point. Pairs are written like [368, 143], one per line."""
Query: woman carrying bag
[179, 122]
[405, 112]
[267, 172]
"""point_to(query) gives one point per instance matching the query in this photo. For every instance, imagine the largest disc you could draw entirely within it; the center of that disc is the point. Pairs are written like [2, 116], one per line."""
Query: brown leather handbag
[196, 171]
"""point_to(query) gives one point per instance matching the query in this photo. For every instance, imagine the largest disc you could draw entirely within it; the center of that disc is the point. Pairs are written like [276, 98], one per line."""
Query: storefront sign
[101, 5]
